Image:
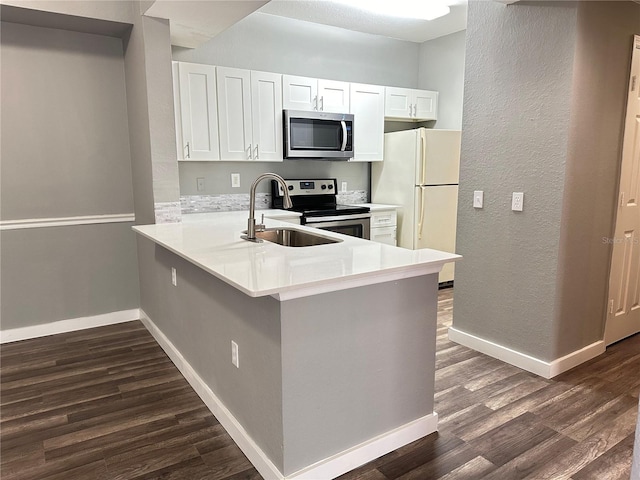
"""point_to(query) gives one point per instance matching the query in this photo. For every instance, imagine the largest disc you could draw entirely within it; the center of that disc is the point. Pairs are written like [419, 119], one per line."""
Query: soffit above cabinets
[349, 17]
[193, 22]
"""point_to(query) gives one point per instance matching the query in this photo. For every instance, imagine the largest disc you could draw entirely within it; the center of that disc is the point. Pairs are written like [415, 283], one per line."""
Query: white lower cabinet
[384, 226]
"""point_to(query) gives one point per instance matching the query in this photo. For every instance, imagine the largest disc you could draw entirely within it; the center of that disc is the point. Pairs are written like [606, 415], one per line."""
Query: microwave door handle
[344, 135]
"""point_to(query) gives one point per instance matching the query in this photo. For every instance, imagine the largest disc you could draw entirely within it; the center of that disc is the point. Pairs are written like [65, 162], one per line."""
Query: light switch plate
[344, 187]
[200, 183]
[478, 199]
[235, 180]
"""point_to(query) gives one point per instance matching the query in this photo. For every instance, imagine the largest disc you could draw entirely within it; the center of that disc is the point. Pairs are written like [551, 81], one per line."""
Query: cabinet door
[384, 218]
[426, 105]
[198, 112]
[266, 113]
[333, 96]
[367, 105]
[234, 113]
[385, 235]
[398, 102]
[299, 93]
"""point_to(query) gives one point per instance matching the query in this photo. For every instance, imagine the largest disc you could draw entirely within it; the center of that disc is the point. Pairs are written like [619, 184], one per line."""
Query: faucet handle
[260, 226]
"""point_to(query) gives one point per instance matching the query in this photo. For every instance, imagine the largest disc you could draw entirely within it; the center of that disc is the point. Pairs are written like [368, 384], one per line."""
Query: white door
[436, 211]
[398, 102]
[367, 105]
[266, 113]
[333, 96]
[426, 105]
[299, 93]
[234, 112]
[198, 112]
[623, 314]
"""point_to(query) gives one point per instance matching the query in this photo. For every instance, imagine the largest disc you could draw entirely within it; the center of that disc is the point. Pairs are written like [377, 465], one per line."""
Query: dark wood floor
[107, 403]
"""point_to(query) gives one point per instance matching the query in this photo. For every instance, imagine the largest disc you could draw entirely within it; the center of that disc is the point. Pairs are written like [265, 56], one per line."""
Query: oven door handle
[336, 218]
[344, 135]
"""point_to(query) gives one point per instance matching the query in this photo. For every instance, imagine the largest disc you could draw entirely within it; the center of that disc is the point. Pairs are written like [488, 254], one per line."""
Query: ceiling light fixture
[417, 9]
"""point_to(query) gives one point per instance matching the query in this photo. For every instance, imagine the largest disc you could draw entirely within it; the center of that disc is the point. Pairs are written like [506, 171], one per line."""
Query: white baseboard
[574, 359]
[71, 325]
[524, 361]
[325, 469]
[347, 460]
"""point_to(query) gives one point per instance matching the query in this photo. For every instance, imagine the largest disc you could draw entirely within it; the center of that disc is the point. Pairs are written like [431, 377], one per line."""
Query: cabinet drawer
[384, 235]
[383, 219]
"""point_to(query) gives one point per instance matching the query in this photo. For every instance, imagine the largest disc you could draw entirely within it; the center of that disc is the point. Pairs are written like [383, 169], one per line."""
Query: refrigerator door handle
[421, 216]
[423, 157]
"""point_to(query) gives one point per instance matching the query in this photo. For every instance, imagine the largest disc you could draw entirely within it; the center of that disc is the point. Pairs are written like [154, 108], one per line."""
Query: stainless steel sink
[290, 237]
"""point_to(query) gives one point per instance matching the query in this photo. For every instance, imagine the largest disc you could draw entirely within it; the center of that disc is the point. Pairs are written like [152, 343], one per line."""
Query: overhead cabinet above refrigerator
[420, 173]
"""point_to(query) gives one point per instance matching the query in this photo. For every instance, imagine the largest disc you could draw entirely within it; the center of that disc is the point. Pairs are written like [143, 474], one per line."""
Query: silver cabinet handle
[249, 153]
[315, 102]
[322, 103]
[415, 109]
[257, 152]
[188, 151]
[344, 135]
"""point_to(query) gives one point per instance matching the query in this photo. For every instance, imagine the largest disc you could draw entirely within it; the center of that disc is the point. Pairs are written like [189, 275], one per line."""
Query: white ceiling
[336, 14]
[194, 22]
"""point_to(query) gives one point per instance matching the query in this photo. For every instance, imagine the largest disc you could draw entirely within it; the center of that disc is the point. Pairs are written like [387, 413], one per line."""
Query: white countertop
[212, 241]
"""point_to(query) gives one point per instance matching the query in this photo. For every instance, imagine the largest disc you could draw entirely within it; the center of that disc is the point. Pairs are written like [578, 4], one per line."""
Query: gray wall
[65, 152]
[201, 315]
[598, 104]
[309, 384]
[151, 120]
[441, 64]
[515, 131]
[546, 121]
[282, 45]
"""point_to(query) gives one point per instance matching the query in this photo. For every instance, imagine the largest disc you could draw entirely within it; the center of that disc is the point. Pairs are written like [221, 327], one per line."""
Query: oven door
[354, 225]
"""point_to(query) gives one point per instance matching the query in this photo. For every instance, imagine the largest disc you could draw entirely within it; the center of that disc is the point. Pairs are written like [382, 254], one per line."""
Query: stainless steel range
[316, 200]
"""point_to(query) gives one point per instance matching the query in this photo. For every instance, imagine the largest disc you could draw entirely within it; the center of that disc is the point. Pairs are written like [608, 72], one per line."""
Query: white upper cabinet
[410, 104]
[367, 106]
[196, 111]
[304, 93]
[266, 112]
[299, 93]
[250, 113]
[333, 96]
[234, 113]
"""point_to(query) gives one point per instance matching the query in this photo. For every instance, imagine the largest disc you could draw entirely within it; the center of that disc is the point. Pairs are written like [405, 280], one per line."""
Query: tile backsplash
[240, 201]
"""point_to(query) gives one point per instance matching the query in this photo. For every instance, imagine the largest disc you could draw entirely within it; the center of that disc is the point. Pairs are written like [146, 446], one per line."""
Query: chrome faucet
[286, 203]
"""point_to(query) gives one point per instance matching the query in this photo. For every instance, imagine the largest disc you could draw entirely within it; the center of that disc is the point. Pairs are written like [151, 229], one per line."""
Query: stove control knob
[290, 187]
[324, 187]
[331, 186]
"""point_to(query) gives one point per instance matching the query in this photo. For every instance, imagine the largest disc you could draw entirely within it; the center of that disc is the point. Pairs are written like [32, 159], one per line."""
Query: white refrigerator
[419, 172]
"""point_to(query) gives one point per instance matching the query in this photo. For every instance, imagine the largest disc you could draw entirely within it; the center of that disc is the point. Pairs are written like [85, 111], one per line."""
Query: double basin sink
[290, 237]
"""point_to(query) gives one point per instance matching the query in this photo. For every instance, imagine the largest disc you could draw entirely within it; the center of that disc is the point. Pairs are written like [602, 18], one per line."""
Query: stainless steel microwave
[319, 135]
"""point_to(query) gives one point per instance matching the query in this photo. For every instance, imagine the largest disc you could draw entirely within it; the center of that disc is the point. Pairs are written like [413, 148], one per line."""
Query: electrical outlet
[517, 201]
[235, 358]
[200, 183]
[344, 187]
[174, 277]
[235, 180]
[478, 199]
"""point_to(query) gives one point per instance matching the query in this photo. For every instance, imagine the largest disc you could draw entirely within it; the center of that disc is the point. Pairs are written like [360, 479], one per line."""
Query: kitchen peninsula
[333, 345]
